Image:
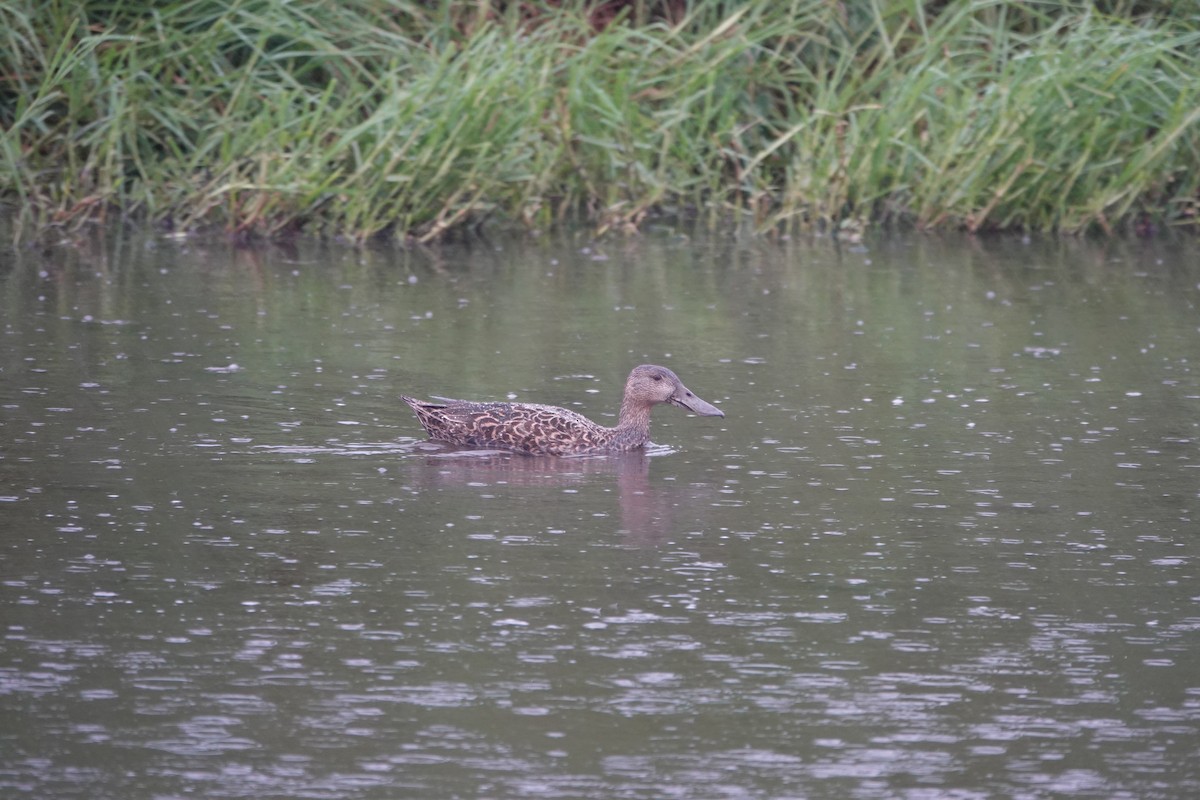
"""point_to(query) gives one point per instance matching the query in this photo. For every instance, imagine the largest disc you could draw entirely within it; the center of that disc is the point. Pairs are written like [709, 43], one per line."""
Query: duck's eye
[657, 377]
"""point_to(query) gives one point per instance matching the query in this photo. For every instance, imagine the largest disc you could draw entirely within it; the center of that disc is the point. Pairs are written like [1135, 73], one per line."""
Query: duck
[537, 430]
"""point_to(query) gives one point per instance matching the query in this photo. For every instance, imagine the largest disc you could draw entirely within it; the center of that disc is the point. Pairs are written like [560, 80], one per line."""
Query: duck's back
[524, 427]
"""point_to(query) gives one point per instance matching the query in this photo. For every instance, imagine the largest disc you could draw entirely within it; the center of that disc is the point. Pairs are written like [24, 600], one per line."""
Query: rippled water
[944, 543]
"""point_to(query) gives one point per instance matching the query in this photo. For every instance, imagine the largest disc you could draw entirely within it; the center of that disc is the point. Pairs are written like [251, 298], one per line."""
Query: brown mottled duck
[549, 430]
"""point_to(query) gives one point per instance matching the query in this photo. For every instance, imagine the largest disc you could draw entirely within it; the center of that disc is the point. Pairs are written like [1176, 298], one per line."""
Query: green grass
[415, 120]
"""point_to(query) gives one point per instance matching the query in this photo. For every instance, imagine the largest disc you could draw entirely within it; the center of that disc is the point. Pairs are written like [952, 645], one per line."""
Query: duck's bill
[685, 399]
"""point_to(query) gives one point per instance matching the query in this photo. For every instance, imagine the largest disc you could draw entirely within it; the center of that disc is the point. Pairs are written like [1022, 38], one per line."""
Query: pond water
[945, 542]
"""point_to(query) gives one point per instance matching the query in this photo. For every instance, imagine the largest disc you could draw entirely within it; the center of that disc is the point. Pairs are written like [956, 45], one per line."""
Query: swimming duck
[549, 430]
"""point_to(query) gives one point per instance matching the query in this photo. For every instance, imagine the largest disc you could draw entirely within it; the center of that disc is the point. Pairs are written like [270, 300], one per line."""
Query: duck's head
[649, 385]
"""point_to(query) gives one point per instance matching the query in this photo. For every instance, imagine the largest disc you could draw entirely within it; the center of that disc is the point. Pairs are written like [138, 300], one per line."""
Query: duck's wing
[523, 427]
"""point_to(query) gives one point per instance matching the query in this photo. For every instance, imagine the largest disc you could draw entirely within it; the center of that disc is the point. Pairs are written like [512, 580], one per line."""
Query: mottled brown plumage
[549, 430]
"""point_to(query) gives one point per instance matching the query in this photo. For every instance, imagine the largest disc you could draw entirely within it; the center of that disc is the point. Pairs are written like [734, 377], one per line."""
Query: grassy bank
[412, 119]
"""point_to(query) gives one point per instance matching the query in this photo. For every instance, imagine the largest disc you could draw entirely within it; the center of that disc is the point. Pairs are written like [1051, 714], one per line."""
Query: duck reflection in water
[648, 510]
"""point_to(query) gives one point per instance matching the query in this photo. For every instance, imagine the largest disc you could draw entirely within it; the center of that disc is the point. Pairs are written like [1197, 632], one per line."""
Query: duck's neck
[633, 425]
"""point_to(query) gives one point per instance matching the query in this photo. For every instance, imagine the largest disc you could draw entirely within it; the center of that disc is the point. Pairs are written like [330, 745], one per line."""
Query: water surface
[944, 543]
